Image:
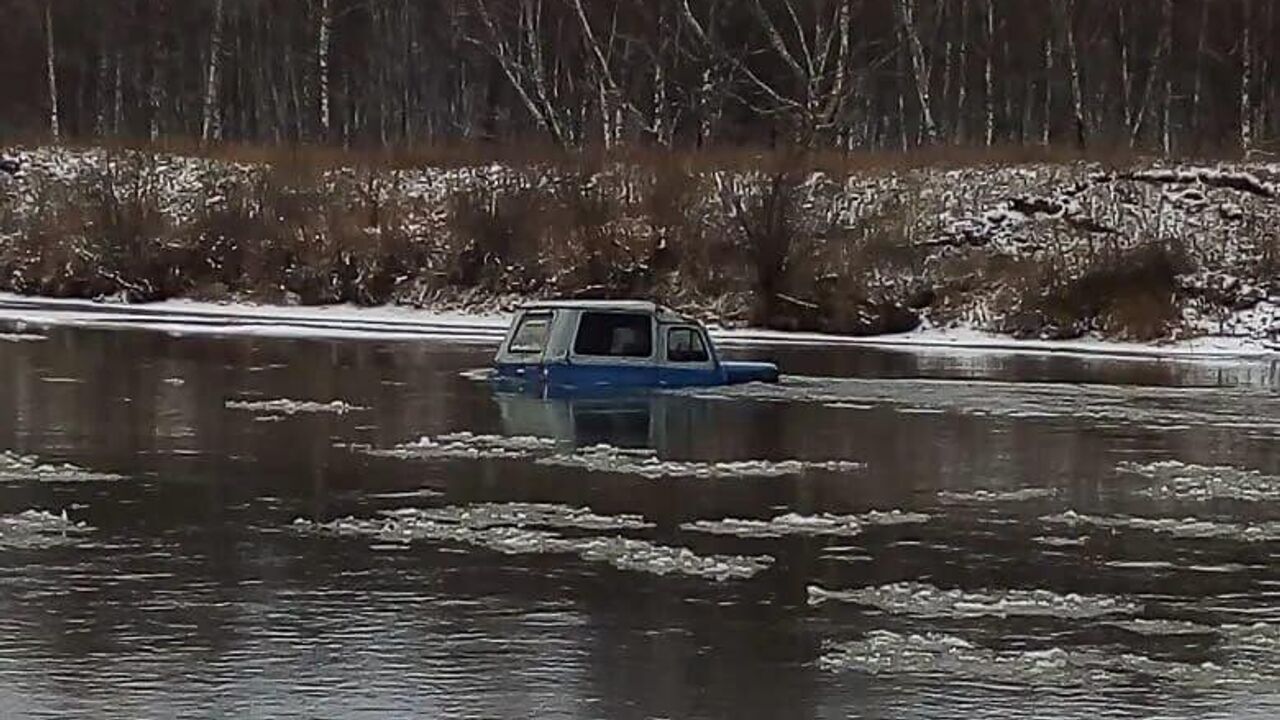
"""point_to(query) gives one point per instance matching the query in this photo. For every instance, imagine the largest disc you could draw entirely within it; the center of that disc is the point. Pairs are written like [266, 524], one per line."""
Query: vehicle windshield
[531, 336]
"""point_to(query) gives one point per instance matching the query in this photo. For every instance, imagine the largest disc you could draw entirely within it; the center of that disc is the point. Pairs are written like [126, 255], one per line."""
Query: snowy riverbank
[1155, 258]
[185, 317]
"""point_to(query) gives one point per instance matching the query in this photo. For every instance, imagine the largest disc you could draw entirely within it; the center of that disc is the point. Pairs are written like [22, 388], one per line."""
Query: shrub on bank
[1044, 251]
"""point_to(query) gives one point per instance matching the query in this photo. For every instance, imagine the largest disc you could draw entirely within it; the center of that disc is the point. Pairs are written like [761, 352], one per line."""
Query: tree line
[1171, 76]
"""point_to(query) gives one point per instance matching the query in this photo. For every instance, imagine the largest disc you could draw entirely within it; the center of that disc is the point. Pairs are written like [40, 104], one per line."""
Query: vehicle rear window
[685, 344]
[531, 336]
[614, 335]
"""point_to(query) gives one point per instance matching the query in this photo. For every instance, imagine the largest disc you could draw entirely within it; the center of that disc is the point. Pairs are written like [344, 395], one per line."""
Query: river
[260, 527]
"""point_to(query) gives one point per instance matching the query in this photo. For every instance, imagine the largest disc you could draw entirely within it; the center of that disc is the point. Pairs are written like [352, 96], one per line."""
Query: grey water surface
[256, 528]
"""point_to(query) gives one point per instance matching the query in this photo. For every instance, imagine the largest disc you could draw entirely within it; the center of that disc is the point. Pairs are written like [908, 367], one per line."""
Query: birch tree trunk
[1073, 67]
[209, 122]
[1198, 83]
[322, 66]
[989, 75]
[1157, 68]
[51, 60]
[919, 67]
[963, 91]
[1046, 129]
[117, 95]
[1246, 82]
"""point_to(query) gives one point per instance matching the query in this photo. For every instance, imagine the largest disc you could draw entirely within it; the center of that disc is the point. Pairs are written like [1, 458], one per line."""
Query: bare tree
[989, 74]
[1246, 80]
[1073, 69]
[209, 121]
[845, 74]
[55, 126]
[323, 41]
[919, 67]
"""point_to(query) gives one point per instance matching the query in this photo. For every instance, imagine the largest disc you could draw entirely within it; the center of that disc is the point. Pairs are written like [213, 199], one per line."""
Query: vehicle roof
[637, 306]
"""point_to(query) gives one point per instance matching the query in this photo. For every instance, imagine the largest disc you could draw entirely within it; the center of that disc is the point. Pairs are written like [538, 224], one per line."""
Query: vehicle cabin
[586, 343]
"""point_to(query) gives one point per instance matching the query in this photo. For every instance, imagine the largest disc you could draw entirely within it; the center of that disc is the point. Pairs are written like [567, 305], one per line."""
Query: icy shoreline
[187, 317]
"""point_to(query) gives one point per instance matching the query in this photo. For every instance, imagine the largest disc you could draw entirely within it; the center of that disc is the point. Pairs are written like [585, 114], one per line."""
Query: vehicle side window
[685, 344]
[614, 335]
[531, 336]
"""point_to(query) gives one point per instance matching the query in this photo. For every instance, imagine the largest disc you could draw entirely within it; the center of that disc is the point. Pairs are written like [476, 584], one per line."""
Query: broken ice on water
[924, 600]
[933, 653]
[647, 464]
[285, 406]
[796, 524]
[1185, 528]
[1176, 480]
[643, 462]
[480, 527]
[468, 446]
[961, 497]
[18, 467]
[35, 529]
[544, 515]
[21, 337]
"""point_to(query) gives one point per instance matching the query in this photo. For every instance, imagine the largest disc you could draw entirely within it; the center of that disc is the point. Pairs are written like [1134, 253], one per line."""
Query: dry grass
[1128, 294]
[292, 230]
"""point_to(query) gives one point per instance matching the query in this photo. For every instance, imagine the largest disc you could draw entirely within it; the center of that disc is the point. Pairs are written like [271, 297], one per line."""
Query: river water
[302, 528]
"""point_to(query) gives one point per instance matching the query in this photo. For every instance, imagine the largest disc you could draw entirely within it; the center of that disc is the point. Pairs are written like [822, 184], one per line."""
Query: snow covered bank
[187, 317]
[1176, 259]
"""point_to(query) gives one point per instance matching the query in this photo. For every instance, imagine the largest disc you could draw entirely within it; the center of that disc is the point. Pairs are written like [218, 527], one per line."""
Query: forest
[1174, 77]
[1035, 168]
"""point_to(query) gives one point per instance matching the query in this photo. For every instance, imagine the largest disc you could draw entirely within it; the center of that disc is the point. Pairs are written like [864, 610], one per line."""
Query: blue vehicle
[593, 344]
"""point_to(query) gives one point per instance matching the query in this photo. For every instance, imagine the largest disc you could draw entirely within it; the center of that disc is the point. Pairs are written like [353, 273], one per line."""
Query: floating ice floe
[923, 600]
[1059, 541]
[17, 467]
[598, 458]
[1187, 528]
[934, 654]
[285, 406]
[21, 337]
[620, 552]
[468, 446]
[35, 529]
[482, 374]
[543, 515]
[1183, 481]
[646, 463]
[961, 497]
[1158, 627]
[795, 524]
